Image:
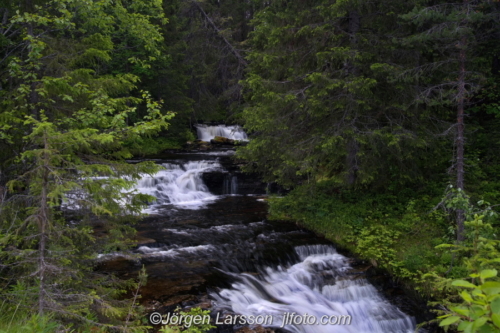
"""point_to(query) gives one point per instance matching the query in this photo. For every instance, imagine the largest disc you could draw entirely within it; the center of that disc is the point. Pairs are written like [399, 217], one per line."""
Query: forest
[380, 120]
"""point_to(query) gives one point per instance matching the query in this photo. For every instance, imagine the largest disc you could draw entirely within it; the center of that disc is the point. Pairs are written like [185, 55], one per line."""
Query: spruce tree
[321, 99]
[448, 70]
[71, 121]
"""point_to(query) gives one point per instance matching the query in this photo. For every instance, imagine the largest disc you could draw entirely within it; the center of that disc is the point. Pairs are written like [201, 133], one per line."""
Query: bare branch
[219, 33]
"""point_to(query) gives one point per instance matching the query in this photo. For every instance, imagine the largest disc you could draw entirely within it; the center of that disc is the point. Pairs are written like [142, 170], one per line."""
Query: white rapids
[207, 133]
[172, 252]
[179, 184]
[318, 288]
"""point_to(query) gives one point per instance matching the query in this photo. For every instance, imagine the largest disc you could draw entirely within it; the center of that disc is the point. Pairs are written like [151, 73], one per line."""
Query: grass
[17, 320]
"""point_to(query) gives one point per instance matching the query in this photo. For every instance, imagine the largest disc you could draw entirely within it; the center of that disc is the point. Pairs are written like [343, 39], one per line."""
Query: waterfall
[272, 275]
[313, 291]
[230, 185]
[207, 133]
[179, 184]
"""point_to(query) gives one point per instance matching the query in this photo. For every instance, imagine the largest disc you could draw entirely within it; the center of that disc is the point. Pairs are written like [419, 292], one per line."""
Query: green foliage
[344, 100]
[394, 232]
[355, 116]
[479, 308]
[57, 176]
[377, 243]
[324, 100]
[211, 32]
[152, 145]
[188, 327]
[35, 323]
[135, 311]
[489, 96]
[149, 146]
[66, 169]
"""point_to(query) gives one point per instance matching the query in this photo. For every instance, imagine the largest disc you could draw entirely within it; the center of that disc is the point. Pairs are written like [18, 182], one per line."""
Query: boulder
[220, 140]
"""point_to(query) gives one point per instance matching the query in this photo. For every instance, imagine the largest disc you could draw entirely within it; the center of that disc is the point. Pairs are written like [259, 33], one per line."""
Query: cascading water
[179, 184]
[314, 295]
[207, 133]
[205, 240]
[230, 185]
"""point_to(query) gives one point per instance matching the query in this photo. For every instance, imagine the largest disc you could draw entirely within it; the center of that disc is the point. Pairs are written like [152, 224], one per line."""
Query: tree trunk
[43, 218]
[352, 161]
[351, 69]
[460, 141]
[354, 26]
[33, 97]
[234, 51]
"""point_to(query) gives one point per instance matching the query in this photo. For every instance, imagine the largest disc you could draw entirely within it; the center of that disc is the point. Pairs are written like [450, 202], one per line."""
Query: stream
[206, 242]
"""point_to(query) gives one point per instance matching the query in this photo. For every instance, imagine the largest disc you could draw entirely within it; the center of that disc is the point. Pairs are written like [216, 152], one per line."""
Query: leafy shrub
[480, 308]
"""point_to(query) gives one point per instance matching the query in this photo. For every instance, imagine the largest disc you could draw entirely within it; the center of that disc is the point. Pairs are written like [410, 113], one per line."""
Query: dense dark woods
[381, 119]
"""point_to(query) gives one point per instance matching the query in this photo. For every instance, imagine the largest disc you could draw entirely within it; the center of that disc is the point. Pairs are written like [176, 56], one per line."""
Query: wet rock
[117, 264]
[220, 140]
[152, 305]
[198, 145]
[143, 240]
[169, 292]
[250, 184]
[178, 299]
[214, 181]
[204, 306]
[189, 222]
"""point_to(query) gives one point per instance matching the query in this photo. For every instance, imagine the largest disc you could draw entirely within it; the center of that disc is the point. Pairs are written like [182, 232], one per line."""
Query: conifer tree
[321, 100]
[215, 36]
[72, 119]
[448, 68]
